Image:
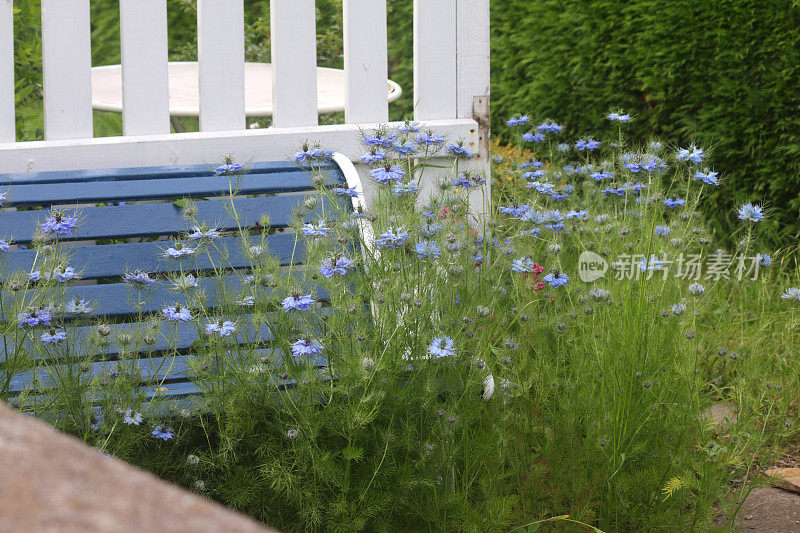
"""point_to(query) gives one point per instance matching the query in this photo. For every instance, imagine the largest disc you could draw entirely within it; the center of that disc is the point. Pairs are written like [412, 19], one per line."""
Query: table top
[184, 90]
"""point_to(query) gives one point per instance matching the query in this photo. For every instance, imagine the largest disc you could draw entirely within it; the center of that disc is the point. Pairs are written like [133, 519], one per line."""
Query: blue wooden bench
[122, 229]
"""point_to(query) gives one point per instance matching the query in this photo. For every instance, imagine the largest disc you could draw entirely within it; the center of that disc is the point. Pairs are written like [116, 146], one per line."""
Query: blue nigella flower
[178, 313]
[557, 279]
[792, 293]
[662, 231]
[3, 197]
[654, 263]
[618, 117]
[429, 139]
[4, 246]
[392, 238]
[351, 192]
[335, 265]
[388, 173]
[382, 139]
[78, 307]
[514, 210]
[376, 156]
[178, 251]
[405, 189]
[131, 417]
[223, 329]
[32, 318]
[161, 432]
[428, 249]
[228, 168]
[315, 230]
[549, 126]
[708, 177]
[138, 278]
[751, 212]
[60, 224]
[764, 260]
[524, 264]
[562, 147]
[693, 154]
[409, 127]
[441, 347]
[674, 202]
[588, 144]
[655, 146]
[429, 230]
[533, 137]
[517, 120]
[304, 347]
[653, 164]
[53, 338]
[406, 148]
[459, 150]
[298, 302]
[601, 175]
[199, 233]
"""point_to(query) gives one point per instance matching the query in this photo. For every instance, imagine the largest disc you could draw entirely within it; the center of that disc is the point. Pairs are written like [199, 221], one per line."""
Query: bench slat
[112, 260]
[69, 193]
[149, 220]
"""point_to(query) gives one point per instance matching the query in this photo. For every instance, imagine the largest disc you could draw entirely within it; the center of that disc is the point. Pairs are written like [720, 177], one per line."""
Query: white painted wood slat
[220, 46]
[365, 61]
[7, 131]
[267, 144]
[145, 83]
[473, 53]
[294, 62]
[435, 80]
[66, 62]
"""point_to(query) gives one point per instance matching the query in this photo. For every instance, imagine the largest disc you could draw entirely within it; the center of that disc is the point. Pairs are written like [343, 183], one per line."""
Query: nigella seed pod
[483, 310]
[311, 202]
[104, 330]
[292, 434]
[318, 180]
[15, 285]
[456, 270]
[192, 459]
[149, 340]
[124, 339]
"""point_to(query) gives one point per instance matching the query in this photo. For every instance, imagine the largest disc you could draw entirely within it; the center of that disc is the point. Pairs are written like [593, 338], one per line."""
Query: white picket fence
[451, 83]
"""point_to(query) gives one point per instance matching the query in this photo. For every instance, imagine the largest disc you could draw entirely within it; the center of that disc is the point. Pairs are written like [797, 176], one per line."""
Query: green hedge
[723, 72]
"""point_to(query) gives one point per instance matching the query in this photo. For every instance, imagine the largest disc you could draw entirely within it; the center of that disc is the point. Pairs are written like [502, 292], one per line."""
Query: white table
[184, 89]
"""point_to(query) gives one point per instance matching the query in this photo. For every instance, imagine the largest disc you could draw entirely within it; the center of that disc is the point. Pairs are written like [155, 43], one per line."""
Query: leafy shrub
[724, 72]
[472, 381]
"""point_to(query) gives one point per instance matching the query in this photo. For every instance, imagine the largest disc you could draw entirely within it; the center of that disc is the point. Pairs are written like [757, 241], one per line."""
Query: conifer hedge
[725, 71]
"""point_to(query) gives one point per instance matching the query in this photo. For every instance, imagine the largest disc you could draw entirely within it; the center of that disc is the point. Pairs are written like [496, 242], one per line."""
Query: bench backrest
[128, 218]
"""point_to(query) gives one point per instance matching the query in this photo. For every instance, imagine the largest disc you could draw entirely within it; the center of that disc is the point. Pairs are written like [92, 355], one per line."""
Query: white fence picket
[365, 61]
[294, 62]
[7, 132]
[220, 48]
[66, 62]
[434, 59]
[145, 83]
